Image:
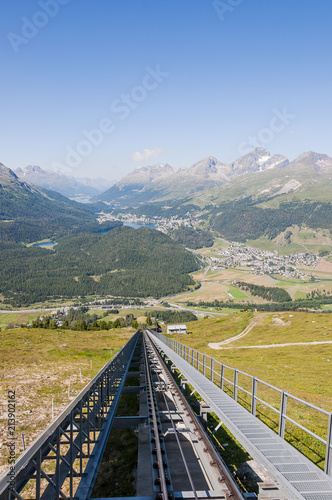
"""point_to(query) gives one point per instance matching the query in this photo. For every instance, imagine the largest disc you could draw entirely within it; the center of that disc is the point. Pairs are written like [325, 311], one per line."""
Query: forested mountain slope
[29, 213]
[124, 262]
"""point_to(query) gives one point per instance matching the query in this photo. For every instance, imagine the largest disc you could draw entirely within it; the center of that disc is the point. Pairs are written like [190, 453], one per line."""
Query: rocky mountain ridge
[162, 182]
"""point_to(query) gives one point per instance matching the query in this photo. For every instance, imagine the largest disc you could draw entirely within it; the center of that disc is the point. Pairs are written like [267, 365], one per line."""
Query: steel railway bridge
[176, 458]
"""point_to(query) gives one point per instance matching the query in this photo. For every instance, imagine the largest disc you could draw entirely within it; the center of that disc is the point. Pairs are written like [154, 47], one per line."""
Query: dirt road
[275, 345]
[218, 345]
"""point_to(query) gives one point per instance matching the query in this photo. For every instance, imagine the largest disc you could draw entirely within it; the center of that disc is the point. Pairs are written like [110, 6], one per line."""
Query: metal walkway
[295, 475]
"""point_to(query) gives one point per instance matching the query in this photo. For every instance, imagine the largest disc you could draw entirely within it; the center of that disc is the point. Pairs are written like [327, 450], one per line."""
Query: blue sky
[100, 87]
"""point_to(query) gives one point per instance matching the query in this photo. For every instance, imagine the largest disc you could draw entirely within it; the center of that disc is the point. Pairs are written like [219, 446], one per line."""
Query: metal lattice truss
[64, 459]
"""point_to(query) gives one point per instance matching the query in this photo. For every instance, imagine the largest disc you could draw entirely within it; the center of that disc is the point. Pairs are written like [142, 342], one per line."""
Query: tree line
[306, 304]
[173, 316]
[192, 238]
[274, 294]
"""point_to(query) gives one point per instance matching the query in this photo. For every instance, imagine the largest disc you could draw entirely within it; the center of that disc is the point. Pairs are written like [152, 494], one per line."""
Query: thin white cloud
[146, 154]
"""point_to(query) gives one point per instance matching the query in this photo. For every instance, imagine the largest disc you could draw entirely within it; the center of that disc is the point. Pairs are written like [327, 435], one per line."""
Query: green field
[43, 365]
[303, 370]
[218, 284]
[237, 293]
[17, 318]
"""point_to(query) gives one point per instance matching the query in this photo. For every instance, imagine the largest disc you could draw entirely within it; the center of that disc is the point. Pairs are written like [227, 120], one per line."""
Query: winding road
[218, 345]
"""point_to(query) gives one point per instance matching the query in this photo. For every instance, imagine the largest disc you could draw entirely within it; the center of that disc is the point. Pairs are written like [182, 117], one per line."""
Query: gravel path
[218, 345]
[275, 345]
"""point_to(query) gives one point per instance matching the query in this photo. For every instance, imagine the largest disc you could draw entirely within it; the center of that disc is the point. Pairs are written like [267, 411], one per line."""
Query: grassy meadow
[17, 318]
[42, 365]
[303, 370]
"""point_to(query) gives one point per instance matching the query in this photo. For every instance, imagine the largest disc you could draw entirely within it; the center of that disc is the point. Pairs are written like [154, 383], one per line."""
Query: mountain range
[29, 213]
[309, 177]
[72, 187]
[258, 194]
[163, 182]
[258, 174]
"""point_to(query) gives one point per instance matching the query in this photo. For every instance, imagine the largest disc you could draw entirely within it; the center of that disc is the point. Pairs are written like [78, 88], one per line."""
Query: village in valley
[264, 261]
[163, 224]
[237, 254]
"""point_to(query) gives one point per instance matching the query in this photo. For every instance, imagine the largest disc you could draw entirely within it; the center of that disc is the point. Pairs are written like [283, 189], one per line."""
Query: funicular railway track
[172, 457]
[180, 423]
[175, 457]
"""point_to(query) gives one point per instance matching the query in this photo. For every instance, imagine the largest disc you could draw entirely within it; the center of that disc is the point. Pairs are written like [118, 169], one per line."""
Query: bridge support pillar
[204, 410]
[183, 383]
[269, 491]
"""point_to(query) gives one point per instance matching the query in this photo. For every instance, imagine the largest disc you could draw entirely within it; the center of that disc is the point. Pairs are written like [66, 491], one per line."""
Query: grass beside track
[42, 365]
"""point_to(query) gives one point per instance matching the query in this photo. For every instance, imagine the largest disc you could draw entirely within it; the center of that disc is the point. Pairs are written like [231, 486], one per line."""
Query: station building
[177, 329]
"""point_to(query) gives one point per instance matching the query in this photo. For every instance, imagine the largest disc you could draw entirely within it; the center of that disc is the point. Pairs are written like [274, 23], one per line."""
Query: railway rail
[175, 457]
[182, 425]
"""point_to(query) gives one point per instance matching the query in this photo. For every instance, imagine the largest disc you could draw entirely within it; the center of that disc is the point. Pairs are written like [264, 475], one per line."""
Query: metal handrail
[267, 404]
[269, 385]
[181, 349]
[306, 430]
[309, 404]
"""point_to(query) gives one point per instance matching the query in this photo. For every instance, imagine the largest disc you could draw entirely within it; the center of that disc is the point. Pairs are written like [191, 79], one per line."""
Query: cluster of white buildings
[265, 261]
[161, 223]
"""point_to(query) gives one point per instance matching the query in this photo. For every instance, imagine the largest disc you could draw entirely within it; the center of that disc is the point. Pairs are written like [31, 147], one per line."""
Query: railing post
[57, 467]
[204, 357]
[212, 364]
[222, 373]
[253, 396]
[235, 384]
[197, 360]
[71, 472]
[192, 356]
[328, 455]
[38, 474]
[283, 412]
